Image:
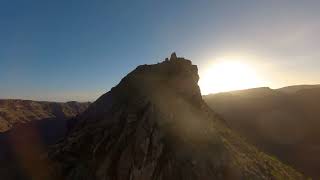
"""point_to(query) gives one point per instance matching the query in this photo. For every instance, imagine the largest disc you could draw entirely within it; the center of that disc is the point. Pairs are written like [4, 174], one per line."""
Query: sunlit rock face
[154, 125]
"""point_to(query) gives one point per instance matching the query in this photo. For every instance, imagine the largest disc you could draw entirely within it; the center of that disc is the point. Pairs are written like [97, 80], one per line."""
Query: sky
[77, 50]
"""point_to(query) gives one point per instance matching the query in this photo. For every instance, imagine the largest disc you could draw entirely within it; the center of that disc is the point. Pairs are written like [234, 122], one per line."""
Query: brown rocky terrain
[13, 112]
[27, 128]
[155, 125]
[284, 122]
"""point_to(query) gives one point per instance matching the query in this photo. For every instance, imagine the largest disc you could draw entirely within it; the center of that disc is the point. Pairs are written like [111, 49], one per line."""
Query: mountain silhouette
[155, 125]
[283, 122]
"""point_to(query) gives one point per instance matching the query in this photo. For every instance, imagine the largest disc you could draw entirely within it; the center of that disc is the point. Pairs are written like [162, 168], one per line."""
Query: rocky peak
[177, 78]
[173, 57]
[155, 125]
[177, 75]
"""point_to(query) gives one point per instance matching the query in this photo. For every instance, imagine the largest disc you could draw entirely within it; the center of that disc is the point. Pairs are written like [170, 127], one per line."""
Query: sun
[227, 74]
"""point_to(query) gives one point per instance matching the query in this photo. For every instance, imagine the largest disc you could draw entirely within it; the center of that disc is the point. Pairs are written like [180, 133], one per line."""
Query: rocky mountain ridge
[155, 125]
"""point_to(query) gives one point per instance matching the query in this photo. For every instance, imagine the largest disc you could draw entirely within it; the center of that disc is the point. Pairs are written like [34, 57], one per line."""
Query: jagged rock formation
[155, 125]
[283, 122]
[13, 112]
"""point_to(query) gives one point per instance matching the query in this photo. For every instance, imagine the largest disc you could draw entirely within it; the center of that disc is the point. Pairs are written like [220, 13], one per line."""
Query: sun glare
[228, 74]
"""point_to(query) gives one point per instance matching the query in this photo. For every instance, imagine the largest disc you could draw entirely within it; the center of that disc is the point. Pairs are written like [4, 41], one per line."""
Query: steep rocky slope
[155, 125]
[283, 122]
[13, 112]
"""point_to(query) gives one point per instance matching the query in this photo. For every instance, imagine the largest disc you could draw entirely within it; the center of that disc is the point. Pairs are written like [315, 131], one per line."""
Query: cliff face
[13, 112]
[155, 125]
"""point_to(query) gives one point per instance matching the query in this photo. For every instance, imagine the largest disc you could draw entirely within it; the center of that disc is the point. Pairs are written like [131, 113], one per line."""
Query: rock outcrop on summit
[155, 125]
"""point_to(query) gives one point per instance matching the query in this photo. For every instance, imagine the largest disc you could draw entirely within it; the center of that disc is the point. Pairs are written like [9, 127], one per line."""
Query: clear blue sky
[75, 50]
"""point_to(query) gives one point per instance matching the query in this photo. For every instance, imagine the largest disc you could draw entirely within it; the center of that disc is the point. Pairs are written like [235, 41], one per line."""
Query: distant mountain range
[296, 88]
[27, 128]
[284, 122]
[14, 111]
